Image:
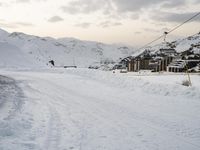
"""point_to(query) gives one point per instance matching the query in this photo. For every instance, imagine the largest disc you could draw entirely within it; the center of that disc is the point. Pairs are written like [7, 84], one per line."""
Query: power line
[151, 42]
[184, 22]
[178, 26]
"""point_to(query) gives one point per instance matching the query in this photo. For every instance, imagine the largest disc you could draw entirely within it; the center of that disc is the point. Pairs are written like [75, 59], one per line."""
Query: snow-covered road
[93, 110]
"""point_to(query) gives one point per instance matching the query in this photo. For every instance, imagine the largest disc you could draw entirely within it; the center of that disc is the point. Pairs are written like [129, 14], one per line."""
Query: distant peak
[3, 32]
[17, 33]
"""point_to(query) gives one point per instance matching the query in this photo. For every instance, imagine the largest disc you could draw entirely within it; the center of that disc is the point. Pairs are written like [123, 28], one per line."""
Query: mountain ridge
[190, 43]
[64, 51]
[70, 51]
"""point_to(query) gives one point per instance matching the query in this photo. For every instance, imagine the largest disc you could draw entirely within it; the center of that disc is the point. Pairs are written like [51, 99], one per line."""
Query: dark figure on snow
[51, 62]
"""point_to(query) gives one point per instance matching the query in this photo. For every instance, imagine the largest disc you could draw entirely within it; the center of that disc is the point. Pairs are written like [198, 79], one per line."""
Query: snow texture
[81, 109]
[191, 43]
[43, 108]
[65, 51]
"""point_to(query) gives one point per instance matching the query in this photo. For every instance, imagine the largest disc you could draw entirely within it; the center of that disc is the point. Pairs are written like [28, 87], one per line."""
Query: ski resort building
[183, 65]
[154, 62]
[164, 60]
[176, 66]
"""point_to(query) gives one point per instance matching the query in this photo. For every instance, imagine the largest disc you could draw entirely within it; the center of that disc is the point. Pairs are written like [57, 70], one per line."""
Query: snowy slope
[3, 34]
[191, 43]
[65, 51]
[12, 56]
[83, 109]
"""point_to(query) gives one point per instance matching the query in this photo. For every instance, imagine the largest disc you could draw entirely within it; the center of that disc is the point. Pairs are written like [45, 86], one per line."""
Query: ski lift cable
[151, 42]
[183, 23]
[175, 28]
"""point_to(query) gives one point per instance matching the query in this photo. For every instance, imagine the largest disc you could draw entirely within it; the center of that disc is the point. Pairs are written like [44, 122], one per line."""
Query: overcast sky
[132, 22]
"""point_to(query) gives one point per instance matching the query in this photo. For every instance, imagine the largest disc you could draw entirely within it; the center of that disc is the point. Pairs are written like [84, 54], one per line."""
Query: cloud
[122, 9]
[165, 29]
[151, 30]
[135, 16]
[55, 19]
[88, 6]
[14, 25]
[28, 1]
[83, 25]
[197, 1]
[8, 25]
[137, 32]
[3, 4]
[174, 17]
[175, 3]
[116, 24]
[22, 1]
[137, 5]
[108, 8]
[85, 6]
[24, 24]
[106, 24]
[133, 5]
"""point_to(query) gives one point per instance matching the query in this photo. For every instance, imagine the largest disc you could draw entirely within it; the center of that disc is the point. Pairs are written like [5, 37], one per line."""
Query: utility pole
[189, 79]
[165, 36]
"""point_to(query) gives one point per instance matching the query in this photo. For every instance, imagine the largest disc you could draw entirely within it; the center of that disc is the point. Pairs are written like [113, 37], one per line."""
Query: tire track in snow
[137, 119]
[53, 127]
[117, 121]
[11, 95]
[13, 123]
[53, 131]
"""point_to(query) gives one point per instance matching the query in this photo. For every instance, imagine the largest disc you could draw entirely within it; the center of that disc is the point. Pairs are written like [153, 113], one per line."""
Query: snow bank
[167, 85]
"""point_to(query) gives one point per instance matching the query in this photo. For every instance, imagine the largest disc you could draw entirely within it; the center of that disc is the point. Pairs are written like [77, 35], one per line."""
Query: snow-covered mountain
[191, 43]
[22, 50]
[12, 56]
[19, 48]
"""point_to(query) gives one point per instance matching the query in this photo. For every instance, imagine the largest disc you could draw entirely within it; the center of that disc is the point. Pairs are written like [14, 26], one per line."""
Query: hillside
[191, 43]
[22, 50]
[64, 51]
[12, 56]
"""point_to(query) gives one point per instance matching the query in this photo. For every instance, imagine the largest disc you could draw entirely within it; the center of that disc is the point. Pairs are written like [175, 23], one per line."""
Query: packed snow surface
[81, 109]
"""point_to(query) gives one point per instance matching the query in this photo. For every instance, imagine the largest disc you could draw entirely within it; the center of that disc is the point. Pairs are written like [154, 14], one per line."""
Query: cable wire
[166, 33]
